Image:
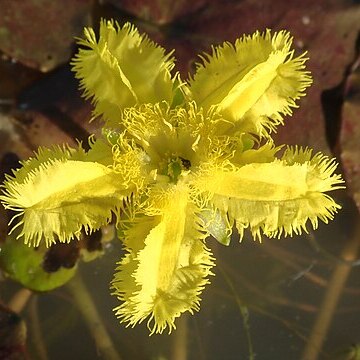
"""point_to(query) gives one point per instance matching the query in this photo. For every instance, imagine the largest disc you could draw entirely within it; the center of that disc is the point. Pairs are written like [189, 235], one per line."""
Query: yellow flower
[178, 161]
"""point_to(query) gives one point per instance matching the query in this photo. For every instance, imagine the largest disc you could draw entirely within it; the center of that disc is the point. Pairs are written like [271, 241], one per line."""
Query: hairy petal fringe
[163, 277]
[121, 69]
[254, 83]
[59, 197]
[275, 198]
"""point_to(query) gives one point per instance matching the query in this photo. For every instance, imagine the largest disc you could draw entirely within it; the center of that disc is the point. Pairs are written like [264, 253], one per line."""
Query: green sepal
[217, 225]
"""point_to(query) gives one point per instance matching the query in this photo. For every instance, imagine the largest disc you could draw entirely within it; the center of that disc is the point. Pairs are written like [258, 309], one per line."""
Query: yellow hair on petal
[276, 198]
[60, 197]
[254, 83]
[164, 276]
[121, 69]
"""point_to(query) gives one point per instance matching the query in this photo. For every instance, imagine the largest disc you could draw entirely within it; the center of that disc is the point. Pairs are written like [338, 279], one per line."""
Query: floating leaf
[27, 265]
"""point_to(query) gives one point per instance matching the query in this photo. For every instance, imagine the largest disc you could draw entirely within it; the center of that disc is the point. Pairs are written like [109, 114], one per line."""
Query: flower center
[176, 166]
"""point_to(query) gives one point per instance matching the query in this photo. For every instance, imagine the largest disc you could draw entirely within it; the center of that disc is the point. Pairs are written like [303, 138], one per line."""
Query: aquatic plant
[178, 161]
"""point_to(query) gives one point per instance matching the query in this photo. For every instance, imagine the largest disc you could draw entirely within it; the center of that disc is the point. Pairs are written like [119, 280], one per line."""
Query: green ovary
[173, 167]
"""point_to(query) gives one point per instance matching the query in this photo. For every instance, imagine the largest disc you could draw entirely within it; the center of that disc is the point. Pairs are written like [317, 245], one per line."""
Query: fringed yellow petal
[44, 155]
[263, 154]
[124, 285]
[121, 69]
[279, 98]
[101, 151]
[60, 197]
[253, 82]
[320, 177]
[172, 267]
[245, 93]
[275, 198]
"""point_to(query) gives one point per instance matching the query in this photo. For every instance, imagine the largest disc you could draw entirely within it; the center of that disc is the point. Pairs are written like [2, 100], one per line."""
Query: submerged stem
[36, 332]
[244, 311]
[331, 298]
[180, 339]
[19, 300]
[92, 318]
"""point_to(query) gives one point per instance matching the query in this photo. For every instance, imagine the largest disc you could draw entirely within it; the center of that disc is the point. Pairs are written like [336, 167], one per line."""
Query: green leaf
[25, 265]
